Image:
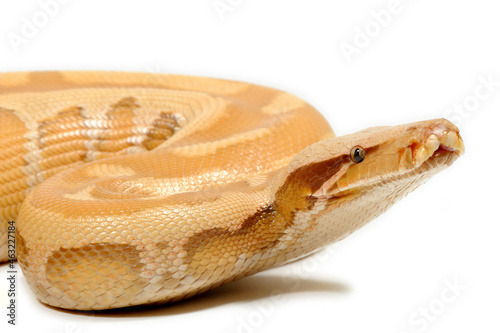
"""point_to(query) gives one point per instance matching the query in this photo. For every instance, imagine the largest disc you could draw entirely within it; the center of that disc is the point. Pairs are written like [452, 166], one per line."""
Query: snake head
[340, 184]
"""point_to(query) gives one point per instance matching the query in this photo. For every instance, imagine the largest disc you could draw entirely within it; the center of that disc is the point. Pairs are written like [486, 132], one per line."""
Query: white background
[429, 57]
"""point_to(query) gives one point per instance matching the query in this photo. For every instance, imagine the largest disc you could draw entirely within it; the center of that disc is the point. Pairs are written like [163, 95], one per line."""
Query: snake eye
[357, 154]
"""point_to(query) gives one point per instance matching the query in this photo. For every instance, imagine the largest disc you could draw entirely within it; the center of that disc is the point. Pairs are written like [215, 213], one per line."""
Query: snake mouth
[441, 142]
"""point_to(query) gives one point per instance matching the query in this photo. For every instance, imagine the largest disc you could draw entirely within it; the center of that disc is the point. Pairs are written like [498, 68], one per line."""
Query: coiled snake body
[131, 188]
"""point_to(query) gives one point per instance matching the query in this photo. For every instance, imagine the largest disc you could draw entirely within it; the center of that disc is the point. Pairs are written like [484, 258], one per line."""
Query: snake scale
[131, 188]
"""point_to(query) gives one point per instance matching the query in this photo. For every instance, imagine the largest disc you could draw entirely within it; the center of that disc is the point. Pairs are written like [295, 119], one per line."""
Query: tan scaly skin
[153, 188]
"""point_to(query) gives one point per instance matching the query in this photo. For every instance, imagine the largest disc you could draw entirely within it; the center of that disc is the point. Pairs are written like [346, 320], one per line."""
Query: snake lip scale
[130, 189]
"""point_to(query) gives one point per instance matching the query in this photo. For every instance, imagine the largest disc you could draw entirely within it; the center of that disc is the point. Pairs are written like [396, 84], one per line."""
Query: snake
[133, 189]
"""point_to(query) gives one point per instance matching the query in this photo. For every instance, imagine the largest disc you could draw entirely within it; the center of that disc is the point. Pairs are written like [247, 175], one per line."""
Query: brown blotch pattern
[123, 108]
[22, 250]
[102, 274]
[72, 137]
[295, 194]
[163, 128]
[256, 234]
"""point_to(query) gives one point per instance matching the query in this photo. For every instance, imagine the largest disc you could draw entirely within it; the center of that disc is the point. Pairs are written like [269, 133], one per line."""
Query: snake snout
[439, 140]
